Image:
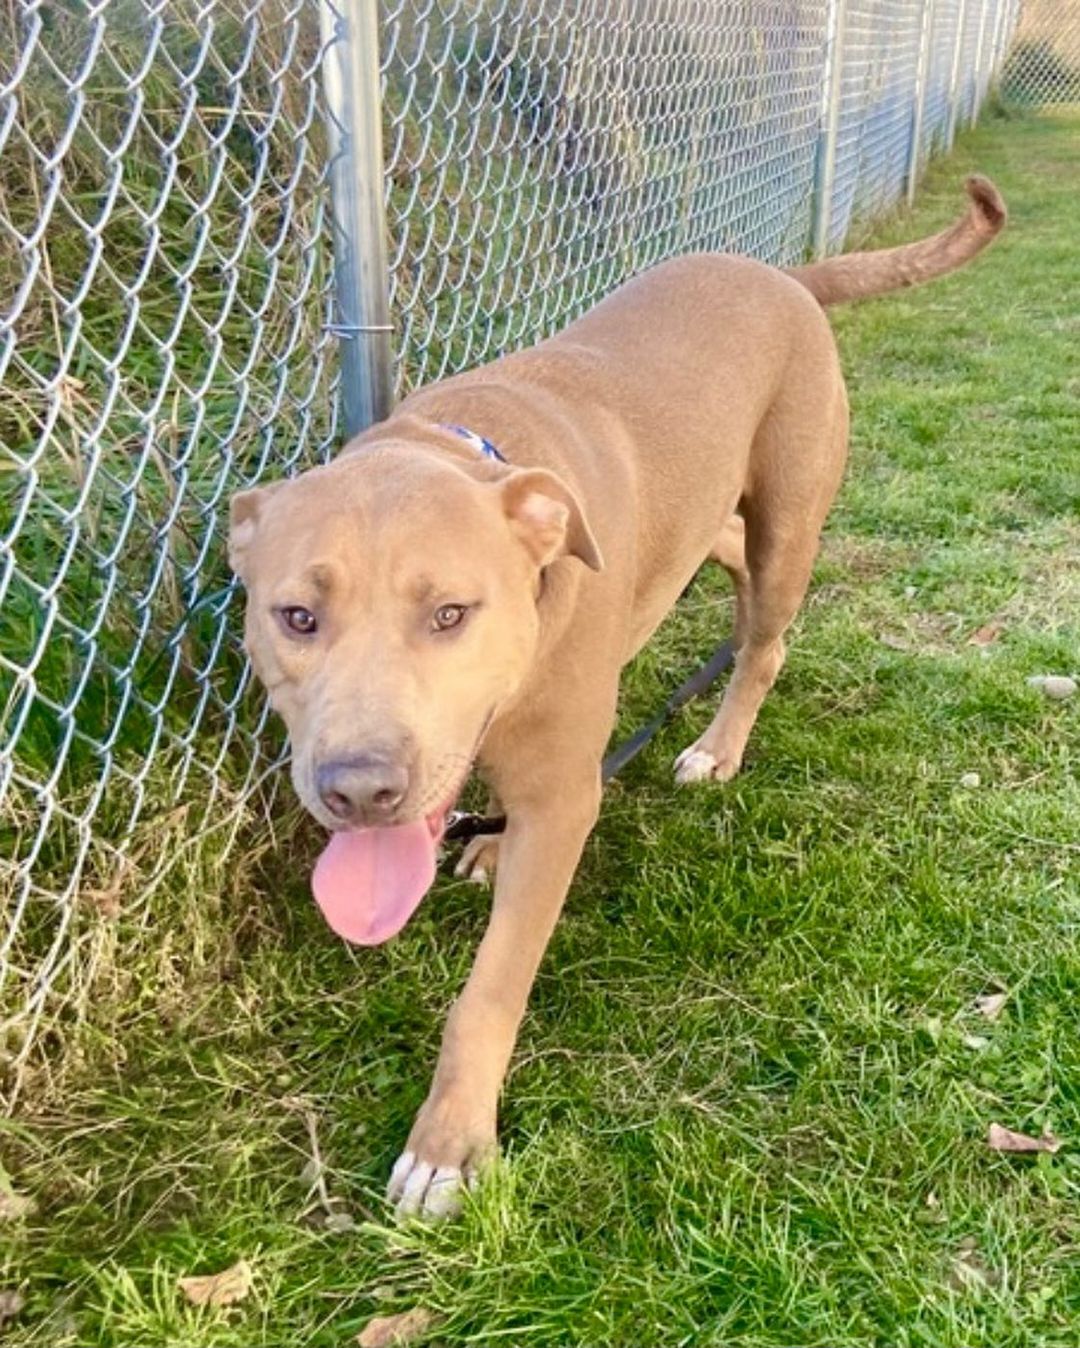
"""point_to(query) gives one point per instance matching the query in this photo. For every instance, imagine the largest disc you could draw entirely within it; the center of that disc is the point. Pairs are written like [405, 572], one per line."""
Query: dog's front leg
[538, 855]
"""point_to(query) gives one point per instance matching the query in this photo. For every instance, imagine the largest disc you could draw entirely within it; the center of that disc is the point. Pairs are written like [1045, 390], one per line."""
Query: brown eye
[300, 621]
[448, 615]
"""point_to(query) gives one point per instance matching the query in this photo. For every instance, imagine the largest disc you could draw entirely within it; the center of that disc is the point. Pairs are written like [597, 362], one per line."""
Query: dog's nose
[365, 789]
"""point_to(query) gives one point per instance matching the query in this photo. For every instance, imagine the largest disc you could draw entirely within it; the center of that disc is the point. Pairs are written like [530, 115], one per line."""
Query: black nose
[365, 789]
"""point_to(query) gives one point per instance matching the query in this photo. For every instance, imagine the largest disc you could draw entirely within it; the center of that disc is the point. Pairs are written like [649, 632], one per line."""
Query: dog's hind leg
[730, 552]
[783, 518]
[480, 855]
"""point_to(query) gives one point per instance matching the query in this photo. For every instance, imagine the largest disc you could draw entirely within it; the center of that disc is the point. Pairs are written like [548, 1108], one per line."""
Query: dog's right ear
[244, 510]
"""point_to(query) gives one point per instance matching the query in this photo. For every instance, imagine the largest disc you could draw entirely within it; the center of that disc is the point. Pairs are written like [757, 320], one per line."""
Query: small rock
[1054, 686]
[910, 591]
[976, 1042]
[970, 780]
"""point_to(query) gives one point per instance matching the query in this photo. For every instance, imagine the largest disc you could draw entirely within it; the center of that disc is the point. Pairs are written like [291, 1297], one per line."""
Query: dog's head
[392, 608]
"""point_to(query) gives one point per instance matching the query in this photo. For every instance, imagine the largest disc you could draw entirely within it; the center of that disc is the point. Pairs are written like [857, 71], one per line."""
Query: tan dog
[415, 607]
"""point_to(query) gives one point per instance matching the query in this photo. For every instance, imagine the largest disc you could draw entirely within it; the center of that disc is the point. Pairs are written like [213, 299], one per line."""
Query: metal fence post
[996, 39]
[976, 97]
[829, 125]
[921, 71]
[954, 76]
[354, 131]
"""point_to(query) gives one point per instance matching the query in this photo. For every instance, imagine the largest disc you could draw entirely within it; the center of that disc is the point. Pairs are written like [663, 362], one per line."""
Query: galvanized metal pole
[1006, 29]
[829, 125]
[976, 97]
[354, 132]
[921, 72]
[1000, 6]
[954, 77]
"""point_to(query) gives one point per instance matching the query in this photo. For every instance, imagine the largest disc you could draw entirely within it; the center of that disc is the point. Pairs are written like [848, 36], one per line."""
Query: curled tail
[854, 276]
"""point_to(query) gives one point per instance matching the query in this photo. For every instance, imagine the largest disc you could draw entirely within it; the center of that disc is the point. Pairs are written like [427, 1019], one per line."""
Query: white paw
[419, 1189]
[478, 860]
[694, 765]
[698, 765]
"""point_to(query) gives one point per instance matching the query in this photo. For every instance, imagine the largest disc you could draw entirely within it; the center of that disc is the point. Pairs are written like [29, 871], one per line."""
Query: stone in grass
[970, 780]
[1057, 687]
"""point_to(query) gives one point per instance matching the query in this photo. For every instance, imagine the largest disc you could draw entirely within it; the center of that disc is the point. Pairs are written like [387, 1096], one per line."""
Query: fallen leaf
[990, 1004]
[985, 635]
[969, 1271]
[1004, 1139]
[395, 1331]
[13, 1205]
[218, 1289]
[11, 1303]
[339, 1222]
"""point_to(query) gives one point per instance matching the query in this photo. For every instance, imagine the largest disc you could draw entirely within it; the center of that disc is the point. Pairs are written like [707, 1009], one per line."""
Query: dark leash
[461, 827]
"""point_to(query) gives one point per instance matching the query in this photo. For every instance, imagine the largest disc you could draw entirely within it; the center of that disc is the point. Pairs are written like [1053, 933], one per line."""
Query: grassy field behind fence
[750, 1103]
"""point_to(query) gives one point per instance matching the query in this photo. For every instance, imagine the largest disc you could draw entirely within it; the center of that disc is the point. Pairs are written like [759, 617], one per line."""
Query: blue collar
[478, 442]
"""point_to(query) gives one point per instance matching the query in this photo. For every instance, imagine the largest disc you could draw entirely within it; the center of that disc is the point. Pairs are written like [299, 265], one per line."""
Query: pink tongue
[368, 883]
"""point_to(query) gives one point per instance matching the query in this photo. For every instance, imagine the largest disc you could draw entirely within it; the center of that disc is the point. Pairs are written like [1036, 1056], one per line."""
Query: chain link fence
[175, 179]
[1043, 69]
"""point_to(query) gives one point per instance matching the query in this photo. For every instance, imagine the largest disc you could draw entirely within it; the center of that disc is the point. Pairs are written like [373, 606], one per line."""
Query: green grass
[750, 1101]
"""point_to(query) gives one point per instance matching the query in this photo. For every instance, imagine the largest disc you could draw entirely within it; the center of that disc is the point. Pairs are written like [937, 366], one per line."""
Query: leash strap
[461, 827]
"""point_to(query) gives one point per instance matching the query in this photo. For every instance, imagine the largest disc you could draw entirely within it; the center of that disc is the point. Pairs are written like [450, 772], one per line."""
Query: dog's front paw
[447, 1147]
[478, 860]
[699, 765]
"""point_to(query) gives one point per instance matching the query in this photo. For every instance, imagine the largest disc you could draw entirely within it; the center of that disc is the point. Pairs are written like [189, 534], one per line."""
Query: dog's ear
[244, 510]
[548, 518]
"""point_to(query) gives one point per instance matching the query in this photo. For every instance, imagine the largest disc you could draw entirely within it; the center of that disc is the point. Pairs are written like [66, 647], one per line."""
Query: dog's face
[391, 610]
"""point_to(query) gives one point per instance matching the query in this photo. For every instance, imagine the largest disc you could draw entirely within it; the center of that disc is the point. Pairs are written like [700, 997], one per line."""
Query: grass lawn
[750, 1103]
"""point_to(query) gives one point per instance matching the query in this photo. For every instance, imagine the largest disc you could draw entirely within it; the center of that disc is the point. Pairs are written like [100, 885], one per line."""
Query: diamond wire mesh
[1043, 67]
[163, 284]
[539, 154]
[945, 16]
[166, 334]
[877, 92]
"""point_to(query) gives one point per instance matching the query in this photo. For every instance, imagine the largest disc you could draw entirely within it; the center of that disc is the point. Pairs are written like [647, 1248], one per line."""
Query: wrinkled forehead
[397, 520]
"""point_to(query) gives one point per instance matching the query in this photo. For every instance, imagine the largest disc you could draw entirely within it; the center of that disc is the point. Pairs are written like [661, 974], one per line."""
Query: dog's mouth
[368, 882]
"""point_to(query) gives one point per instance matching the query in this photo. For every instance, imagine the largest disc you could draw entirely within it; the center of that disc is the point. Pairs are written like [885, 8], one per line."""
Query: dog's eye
[300, 621]
[448, 615]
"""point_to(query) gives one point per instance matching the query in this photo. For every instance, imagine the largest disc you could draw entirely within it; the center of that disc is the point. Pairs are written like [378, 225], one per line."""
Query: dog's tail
[854, 276]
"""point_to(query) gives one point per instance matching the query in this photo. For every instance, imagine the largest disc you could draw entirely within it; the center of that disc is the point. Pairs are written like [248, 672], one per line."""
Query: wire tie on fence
[357, 329]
